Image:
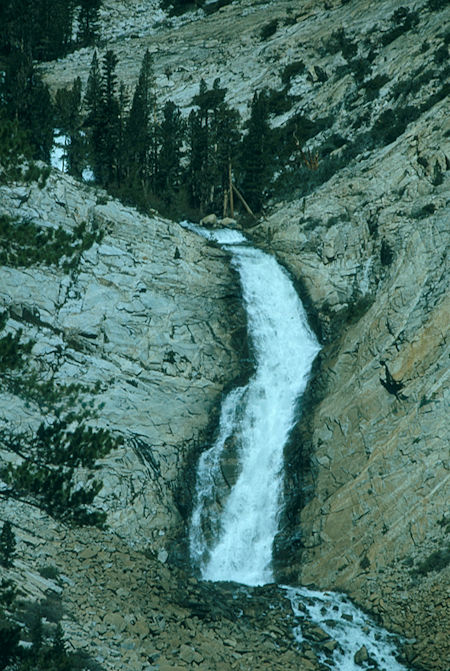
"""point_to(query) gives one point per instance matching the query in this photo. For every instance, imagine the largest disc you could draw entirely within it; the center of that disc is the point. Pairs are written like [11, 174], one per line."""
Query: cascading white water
[258, 419]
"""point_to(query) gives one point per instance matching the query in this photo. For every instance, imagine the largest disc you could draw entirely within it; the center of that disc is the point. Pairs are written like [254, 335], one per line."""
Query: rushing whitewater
[259, 418]
[233, 541]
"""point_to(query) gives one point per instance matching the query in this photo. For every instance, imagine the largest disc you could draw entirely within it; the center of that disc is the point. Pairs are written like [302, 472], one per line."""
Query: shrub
[403, 19]
[24, 243]
[437, 561]
[386, 253]
[437, 5]
[268, 30]
[292, 70]
[7, 545]
[47, 473]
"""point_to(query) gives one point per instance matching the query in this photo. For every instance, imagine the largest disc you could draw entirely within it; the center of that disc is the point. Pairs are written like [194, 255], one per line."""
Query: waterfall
[259, 417]
[231, 533]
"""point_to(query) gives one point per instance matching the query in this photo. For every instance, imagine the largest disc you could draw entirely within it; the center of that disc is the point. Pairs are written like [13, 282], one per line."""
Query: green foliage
[25, 244]
[269, 29]
[213, 139]
[140, 129]
[256, 162]
[49, 572]
[372, 86]
[7, 545]
[437, 561]
[339, 41]
[403, 19]
[386, 253]
[46, 474]
[25, 103]
[12, 351]
[69, 120]
[292, 70]
[9, 641]
[88, 22]
[437, 5]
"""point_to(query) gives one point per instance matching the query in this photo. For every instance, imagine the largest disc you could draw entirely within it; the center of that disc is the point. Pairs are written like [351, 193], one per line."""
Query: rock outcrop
[148, 322]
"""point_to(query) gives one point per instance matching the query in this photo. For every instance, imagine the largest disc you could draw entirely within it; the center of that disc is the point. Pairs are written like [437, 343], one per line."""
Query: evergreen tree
[88, 22]
[256, 153]
[44, 27]
[213, 139]
[7, 545]
[201, 177]
[37, 634]
[51, 27]
[9, 642]
[25, 98]
[103, 118]
[171, 135]
[68, 120]
[92, 105]
[109, 122]
[225, 143]
[141, 128]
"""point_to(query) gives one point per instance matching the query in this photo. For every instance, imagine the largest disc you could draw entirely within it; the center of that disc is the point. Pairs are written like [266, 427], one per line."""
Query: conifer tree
[68, 120]
[109, 120]
[141, 127]
[171, 134]
[256, 152]
[103, 118]
[213, 138]
[92, 105]
[7, 545]
[88, 22]
[202, 178]
[25, 98]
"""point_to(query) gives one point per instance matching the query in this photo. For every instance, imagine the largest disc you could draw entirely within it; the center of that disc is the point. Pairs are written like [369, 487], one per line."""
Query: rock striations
[148, 321]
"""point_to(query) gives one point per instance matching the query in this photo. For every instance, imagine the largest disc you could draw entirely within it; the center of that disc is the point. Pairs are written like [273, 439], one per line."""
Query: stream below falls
[233, 541]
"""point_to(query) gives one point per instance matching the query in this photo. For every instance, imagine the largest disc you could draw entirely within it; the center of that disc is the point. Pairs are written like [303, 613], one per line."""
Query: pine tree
[256, 153]
[25, 98]
[109, 122]
[88, 22]
[7, 545]
[201, 175]
[171, 135]
[141, 128]
[103, 118]
[68, 120]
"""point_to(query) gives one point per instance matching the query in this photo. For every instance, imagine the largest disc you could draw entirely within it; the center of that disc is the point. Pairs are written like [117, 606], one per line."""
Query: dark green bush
[23, 243]
[12, 351]
[268, 30]
[403, 19]
[291, 70]
[386, 253]
[437, 5]
[437, 561]
[47, 473]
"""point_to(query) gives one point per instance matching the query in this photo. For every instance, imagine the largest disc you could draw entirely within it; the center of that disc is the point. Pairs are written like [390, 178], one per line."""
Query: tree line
[33, 31]
[149, 154]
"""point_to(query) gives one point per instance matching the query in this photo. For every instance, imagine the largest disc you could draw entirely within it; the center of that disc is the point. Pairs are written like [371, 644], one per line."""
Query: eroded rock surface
[149, 322]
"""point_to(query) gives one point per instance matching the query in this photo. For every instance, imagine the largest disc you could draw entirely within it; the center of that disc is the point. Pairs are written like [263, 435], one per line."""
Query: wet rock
[361, 656]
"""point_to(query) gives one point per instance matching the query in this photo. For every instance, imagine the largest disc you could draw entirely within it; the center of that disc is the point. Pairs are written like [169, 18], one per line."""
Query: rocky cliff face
[148, 321]
[151, 313]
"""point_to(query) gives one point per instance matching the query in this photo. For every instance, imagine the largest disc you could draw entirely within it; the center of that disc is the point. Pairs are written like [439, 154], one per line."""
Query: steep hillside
[145, 319]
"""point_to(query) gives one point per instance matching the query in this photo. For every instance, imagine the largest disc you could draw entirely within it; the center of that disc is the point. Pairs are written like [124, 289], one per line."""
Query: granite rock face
[148, 322]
